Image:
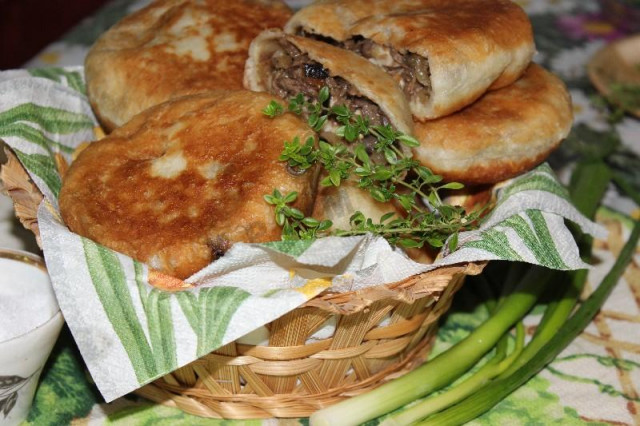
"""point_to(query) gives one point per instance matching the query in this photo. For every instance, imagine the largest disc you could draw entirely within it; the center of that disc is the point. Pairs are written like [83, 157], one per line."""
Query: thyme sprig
[294, 224]
[382, 168]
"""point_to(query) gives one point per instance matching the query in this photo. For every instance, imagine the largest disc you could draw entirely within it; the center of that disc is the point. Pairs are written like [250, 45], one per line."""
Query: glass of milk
[30, 321]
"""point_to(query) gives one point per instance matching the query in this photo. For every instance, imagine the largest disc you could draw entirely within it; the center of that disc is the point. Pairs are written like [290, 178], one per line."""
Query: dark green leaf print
[210, 313]
[6, 405]
[73, 79]
[54, 120]
[43, 167]
[542, 179]
[157, 307]
[537, 238]
[495, 242]
[10, 384]
[64, 392]
[217, 306]
[110, 284]
[31, 134]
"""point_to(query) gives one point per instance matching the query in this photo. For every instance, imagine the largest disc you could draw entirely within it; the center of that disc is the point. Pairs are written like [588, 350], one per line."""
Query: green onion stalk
[497, 390]
[503, 373]
[443, 369]
[496, 365]
[588, 184]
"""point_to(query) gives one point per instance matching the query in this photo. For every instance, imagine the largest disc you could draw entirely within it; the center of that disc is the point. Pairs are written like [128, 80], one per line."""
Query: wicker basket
[380, 333]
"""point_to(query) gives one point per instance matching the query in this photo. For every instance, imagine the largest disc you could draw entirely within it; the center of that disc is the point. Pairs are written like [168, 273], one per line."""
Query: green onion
[626, 187]
[443, 369]
[555, 315]
[491, 369]
[589, 182]
[495, 391]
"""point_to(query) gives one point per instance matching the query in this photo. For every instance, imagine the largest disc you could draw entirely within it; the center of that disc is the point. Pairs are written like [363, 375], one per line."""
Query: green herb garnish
[293, 222]
[382, 168]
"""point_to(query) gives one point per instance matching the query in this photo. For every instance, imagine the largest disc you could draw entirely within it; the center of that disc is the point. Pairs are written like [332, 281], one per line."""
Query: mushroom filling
[293, 72]
[410, 70]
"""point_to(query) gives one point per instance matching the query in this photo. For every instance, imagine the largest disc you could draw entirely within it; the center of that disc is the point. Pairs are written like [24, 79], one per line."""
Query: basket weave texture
[376, 334]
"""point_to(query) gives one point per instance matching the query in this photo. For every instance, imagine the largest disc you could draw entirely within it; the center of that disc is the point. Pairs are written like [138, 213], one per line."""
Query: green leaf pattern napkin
[130, 333]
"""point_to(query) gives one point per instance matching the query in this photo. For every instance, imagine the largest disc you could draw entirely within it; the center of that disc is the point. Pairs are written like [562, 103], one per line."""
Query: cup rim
[23, 256]
[33, 260]
[54, 317]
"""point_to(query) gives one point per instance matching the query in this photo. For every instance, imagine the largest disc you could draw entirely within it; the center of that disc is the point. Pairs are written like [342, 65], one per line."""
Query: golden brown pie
[503, 134]
[172, 48]
[182, 181]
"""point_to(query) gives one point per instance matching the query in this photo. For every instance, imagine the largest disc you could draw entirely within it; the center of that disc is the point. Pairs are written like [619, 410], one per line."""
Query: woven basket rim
[406, 290]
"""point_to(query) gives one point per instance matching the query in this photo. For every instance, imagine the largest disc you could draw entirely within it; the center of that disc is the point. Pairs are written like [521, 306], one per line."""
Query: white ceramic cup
[32, 331]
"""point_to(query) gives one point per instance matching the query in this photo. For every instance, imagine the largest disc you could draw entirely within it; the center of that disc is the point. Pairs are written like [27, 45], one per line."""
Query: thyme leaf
[384, 170]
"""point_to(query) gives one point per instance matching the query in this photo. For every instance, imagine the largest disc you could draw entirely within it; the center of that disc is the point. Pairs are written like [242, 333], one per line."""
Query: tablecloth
[596, 380]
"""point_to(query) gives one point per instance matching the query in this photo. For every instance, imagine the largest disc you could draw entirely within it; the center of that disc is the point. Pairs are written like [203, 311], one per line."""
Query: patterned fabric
[595, 380]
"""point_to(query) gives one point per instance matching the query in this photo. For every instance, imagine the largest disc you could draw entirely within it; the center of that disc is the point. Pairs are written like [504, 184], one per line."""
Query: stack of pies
[182, 175]
[481, 110]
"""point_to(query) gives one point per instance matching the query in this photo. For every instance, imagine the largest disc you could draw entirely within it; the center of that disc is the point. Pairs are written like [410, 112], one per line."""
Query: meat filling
[411, 71]
[293, 72]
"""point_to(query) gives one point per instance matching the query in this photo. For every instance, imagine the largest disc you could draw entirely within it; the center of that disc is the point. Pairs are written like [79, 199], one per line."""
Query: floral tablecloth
[596, 380]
